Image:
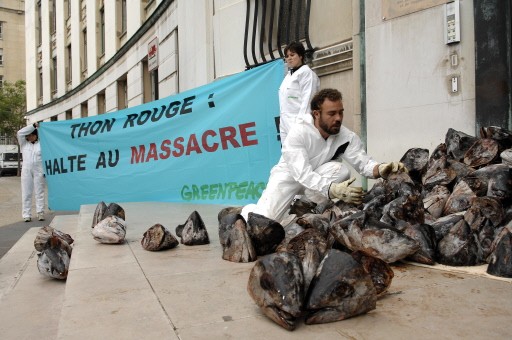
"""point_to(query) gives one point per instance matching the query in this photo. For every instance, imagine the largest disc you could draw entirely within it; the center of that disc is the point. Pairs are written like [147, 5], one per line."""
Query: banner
[212, 144]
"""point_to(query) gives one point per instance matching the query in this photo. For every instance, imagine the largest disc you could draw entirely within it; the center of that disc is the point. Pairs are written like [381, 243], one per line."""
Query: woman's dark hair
[318, 99]
[295, 47]
[33, 133]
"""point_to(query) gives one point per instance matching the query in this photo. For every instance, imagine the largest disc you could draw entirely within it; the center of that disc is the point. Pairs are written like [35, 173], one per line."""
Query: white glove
[385, 169]
[345, 193]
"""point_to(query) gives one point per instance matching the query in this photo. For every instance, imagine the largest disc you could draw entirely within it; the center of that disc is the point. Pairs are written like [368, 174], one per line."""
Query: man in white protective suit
[32, 178]
[311, 161]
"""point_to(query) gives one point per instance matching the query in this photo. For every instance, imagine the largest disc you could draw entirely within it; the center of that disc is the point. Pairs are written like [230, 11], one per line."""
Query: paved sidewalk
[125, 292]
[12, 226]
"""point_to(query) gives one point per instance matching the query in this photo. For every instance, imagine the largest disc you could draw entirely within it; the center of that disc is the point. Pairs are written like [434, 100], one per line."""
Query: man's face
[293, 60]
[329, 118]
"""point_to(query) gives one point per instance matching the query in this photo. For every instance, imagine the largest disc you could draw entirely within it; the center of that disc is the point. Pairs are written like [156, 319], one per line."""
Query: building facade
[12, 51]
[12, 41]
[408, 70]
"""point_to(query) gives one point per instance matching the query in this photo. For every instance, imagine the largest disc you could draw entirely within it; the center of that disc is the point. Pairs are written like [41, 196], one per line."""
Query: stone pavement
[125, 292]
[12, 227]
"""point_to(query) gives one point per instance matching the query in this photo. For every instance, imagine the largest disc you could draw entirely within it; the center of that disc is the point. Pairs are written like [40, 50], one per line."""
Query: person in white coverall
[296, 90]
[32, 179]
[311, 160]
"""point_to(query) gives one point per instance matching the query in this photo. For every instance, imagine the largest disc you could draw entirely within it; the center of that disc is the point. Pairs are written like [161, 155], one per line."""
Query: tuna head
[99, 212]
[374, 238]
[381, 273]
[46, 232]
[157, 238]
[310, 246]
[193, 231]
[54, 260]
[111, 229]
[234, 239]
[265, 233]
[425, 235]
[457, 143]
[458, 247]
[500, 260]
[341, 289]
[276, 285]
[416, 161]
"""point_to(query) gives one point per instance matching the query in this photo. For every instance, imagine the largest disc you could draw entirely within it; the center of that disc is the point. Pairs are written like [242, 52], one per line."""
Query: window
[69, 115]
[149, 6]
[102, 104]
[150, 83]
[38, 27]
[84, 50]
[1, 29]
[40, 84]
[102, 31]
[53, 17]
[122, 94]
[123, 16]
[67, 9]
[54, 75]
[270, 28]
[84, 110]
[294, 23]
[154, 84]
[68, 64]
[146, 82]
[53, 118]
[1, 57]
[83, 10]
[1, 81]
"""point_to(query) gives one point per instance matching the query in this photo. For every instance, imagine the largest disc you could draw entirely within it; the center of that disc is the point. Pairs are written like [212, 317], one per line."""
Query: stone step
[107, 292]
[31, 303]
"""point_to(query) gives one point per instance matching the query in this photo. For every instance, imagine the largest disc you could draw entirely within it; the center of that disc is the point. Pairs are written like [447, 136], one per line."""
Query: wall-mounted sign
[333, 59]
[153, 54]
[395, 8]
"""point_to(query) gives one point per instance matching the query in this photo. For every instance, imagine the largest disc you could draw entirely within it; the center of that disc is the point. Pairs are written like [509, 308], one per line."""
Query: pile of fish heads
[244, 241]
[343, 285]
[466, 189]
[297, 272]
[109, 223]
[54, 255]
[452, 207]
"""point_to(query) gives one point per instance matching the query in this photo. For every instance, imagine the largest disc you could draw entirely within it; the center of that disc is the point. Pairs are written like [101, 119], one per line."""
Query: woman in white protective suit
[32, 179]
[311, 161]
[296, 90]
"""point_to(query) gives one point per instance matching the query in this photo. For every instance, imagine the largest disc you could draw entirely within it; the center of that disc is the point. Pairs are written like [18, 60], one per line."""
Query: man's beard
[333, 130]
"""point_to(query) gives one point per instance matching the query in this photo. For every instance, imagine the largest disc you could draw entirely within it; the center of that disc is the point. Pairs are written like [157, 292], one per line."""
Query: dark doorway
[493, 76]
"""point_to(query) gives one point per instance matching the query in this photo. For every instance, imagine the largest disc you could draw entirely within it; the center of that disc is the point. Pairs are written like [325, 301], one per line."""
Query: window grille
[270, 25]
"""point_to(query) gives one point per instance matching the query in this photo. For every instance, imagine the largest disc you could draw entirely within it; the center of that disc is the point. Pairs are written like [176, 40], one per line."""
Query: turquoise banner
[213, 144]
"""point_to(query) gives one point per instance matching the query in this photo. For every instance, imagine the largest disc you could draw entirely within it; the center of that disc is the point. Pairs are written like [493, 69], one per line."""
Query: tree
[12, 110]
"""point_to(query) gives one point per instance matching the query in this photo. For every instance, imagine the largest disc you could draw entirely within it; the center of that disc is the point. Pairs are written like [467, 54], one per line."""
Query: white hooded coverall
[307, 163]
[31, 173]
[295, 94]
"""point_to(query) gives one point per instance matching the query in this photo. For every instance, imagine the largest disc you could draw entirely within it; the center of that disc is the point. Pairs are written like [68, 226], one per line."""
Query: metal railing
[270, 25]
